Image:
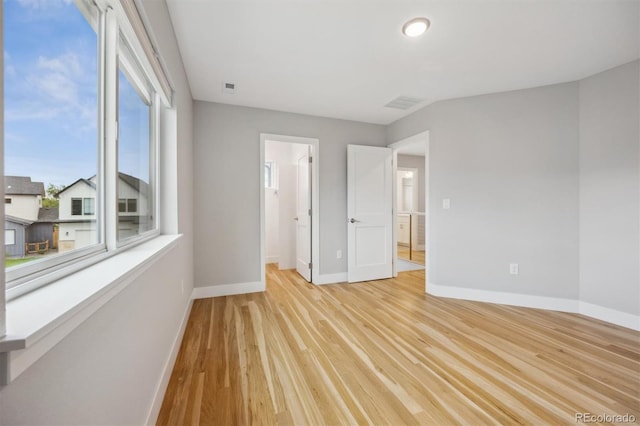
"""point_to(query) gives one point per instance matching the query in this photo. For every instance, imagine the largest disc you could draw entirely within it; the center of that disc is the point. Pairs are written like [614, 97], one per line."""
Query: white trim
[315, 199]
[70, 301]
[503, 298]
[419, 137]
[574, 306]
[271, 259]
[227, 289]
[340, 277]
[161, 388]
[613, 316]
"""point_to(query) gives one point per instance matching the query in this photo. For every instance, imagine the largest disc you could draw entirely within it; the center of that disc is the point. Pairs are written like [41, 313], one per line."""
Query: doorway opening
[411, 186]
[289, 204]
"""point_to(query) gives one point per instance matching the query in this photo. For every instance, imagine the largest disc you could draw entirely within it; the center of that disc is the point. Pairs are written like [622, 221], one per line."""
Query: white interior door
[303, 211]
[369, 209]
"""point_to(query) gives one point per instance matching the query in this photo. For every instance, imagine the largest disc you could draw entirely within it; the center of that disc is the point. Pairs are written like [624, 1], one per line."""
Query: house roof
[48, 214]
[137, 184]
[17, 220]
[22, 185]
[134, 182]
[86, 181]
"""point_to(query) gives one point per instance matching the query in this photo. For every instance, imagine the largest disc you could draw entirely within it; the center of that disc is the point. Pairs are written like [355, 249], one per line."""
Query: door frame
[419, 137]
[315, 200]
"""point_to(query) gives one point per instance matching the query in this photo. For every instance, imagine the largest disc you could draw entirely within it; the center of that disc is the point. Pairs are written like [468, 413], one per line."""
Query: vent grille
[404, 102]
[228, 87]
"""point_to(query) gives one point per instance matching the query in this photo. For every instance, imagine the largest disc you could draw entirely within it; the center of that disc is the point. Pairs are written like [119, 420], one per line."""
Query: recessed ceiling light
[415, 27]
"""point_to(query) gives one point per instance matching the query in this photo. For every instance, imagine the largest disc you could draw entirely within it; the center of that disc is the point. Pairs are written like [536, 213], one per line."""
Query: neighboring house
[15, 235]
[44, 229]
[22, 197]
[133, 205]
[77, 215]
[26, 221]
[77, 211]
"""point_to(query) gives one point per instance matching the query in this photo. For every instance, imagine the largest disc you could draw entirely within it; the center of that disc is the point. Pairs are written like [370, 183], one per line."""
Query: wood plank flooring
[416, 257]
[385, 353]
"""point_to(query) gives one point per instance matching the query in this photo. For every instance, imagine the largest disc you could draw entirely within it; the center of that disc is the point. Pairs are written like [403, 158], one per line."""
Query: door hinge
[310, 159]
[310, 265]
[309, 212]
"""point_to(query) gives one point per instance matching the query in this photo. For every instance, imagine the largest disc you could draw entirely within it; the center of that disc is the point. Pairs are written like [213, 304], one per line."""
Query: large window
[81, 116]
[135, 150]
[51, 116]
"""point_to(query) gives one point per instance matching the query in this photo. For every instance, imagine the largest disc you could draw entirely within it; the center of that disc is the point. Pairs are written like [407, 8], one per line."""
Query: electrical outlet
[339, 254]
[513, 268]
[446, 203]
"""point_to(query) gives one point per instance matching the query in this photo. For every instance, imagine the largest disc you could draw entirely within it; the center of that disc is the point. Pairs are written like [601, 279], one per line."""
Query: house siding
[23, 206]
[39, 232]
[17, 249]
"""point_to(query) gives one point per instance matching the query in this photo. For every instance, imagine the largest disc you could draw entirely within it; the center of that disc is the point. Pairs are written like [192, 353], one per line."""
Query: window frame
[109, 19]
[135, 204]
[92, 203]
[9, 232]
[132, 71]
[76, 206]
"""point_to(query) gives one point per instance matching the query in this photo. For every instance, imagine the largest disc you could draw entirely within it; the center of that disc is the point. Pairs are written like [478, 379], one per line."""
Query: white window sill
[39, 320]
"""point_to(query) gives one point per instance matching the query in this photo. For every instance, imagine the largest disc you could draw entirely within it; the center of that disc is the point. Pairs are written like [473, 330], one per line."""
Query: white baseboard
[503, 298]
[613, 316]
[340, 277]
[152, 417]
[227, 289]
[271, 259]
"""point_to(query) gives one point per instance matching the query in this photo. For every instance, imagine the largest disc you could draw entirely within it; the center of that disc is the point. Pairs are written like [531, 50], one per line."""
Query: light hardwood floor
[416, 256]
[383, 352]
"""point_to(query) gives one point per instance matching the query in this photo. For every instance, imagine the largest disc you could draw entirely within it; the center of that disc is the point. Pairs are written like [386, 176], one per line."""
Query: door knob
[352, 220]
[295, 218]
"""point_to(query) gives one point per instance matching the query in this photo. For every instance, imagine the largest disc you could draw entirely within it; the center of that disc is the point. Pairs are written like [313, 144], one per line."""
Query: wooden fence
[39, 247]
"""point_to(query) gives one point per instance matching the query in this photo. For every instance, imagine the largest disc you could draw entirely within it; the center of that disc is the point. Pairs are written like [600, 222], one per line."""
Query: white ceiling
[347, 58]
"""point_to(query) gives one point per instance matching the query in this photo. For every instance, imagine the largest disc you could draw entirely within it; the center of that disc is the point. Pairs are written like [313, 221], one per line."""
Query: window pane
[76, 206]
[9, 237]
[89, 206]
[50, 126]
[134, 158]
[122, 205]
[267, 175]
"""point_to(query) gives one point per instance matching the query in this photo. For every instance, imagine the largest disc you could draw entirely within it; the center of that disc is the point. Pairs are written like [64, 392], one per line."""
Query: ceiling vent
[403, 102]
[229, 88]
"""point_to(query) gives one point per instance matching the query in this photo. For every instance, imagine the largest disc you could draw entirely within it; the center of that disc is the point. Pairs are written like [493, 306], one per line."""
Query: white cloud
[55, 87]
[39, 112]
[58, 77]
[42, 4]
[67, 64]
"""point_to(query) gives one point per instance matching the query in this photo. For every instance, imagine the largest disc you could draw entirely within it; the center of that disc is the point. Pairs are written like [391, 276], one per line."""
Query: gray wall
[106, 371]
[609, 189]
[17, 249]
[547, 178]
[39, 232]
[227, 208]
[509, 164]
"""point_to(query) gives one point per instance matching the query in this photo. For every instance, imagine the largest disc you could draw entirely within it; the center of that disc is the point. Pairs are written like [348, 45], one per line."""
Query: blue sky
[50, 96]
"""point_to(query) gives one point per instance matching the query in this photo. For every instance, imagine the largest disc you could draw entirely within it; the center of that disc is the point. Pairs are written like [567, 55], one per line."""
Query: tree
[51, 198]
